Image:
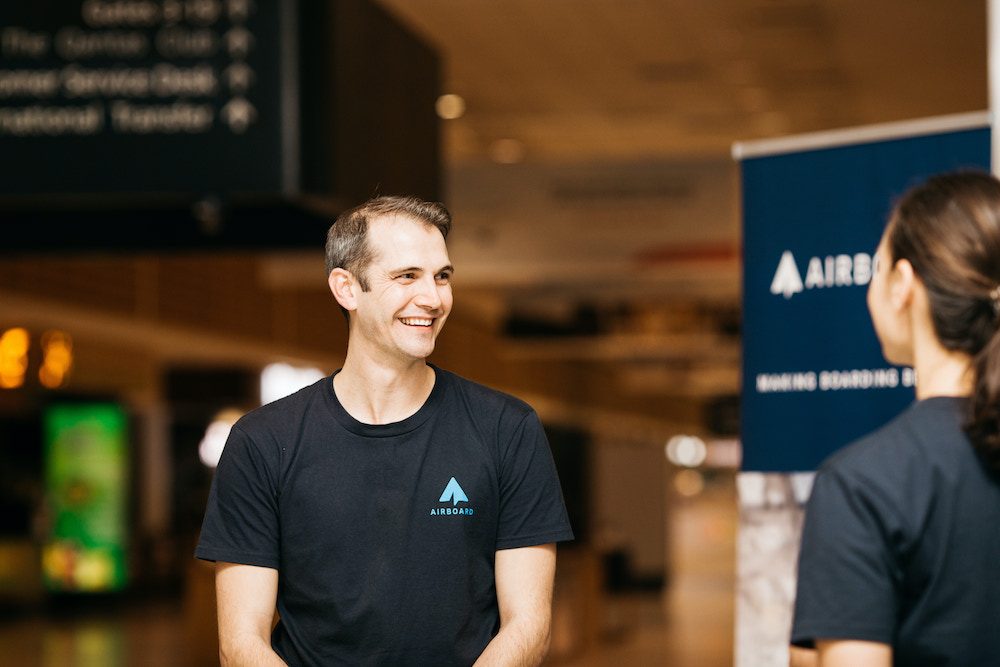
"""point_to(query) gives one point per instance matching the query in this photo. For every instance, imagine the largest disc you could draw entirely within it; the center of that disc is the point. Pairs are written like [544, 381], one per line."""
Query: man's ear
[345, 288]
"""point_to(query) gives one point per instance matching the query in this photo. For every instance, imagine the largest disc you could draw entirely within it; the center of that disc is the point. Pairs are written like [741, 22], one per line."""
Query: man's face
[409, 298]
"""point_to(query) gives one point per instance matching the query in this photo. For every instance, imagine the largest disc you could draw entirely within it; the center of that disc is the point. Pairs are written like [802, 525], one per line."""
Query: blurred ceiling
[612, 80]
[597, 134]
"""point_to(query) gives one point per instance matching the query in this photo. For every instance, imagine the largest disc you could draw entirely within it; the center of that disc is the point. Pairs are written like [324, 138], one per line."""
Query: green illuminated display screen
[86, 479]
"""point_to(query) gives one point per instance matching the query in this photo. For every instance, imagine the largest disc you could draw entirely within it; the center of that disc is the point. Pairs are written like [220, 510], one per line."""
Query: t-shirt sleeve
[532, 509]
[847, 571]
[241, 518]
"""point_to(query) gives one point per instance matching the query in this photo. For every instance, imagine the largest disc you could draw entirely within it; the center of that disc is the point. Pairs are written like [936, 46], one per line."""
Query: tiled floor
[691, 624]
[152, 635]
[144, 635]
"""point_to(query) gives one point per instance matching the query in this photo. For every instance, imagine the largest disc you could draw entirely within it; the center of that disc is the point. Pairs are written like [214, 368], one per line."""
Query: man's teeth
[415, 321]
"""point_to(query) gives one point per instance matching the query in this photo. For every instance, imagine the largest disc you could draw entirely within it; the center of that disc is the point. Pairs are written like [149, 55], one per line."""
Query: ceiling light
[450, 106]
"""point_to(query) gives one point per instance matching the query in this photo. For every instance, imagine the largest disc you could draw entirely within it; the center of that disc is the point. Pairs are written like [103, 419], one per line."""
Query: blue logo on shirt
[456, 495]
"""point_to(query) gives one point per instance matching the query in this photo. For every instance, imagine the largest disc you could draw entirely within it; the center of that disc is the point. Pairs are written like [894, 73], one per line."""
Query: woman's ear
[904, 282]
[344, 288]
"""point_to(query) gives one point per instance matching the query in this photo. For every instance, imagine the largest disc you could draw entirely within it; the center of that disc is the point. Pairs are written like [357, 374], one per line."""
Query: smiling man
[393, 513]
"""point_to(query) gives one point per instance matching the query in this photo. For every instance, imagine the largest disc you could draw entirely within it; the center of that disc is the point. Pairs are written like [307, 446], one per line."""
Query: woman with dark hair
[901, 541]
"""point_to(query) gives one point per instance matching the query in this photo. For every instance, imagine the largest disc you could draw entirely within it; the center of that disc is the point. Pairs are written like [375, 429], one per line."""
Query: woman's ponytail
[983, 427]
[949, 230]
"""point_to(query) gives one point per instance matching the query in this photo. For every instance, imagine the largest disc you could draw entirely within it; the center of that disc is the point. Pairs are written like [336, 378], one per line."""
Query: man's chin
[418, 352]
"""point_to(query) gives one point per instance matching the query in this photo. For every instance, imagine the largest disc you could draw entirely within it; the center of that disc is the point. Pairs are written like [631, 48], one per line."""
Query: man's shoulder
[482, 395]
[289, 409]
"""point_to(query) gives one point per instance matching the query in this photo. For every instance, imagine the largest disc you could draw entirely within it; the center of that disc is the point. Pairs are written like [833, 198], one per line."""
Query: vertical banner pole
[993, 74]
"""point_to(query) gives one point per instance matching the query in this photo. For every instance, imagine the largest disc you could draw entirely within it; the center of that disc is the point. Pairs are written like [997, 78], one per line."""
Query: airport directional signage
[143, 96]
[176, 124]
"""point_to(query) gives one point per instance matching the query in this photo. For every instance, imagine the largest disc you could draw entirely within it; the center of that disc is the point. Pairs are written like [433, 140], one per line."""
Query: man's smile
[416, 321]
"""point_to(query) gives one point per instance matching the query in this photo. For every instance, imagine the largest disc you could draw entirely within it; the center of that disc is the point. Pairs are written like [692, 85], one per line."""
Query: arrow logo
[787, 279]
[454, 493]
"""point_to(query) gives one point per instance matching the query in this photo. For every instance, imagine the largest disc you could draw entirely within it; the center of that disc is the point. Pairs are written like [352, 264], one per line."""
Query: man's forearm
[518, 645]
[245, 597]
[248, 651]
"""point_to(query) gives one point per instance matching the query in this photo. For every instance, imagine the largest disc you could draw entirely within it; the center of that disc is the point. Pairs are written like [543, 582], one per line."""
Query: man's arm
[524, 580]
[246, 597]
[850, 653]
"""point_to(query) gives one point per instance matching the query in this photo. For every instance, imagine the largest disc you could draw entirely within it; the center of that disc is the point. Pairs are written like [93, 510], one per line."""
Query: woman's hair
[949, 230]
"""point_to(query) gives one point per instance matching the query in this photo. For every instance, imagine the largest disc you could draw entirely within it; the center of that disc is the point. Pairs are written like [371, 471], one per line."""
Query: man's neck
[376, 393]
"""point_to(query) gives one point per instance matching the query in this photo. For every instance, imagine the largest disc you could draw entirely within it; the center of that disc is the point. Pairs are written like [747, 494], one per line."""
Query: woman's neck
[941, 372]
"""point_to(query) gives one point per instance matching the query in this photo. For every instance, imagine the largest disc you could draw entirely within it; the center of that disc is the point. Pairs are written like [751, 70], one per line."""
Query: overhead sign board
[153, 124]
[147, 96]
[814, 208]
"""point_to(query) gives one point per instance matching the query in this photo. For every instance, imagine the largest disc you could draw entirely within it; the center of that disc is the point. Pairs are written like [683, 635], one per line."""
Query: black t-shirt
[901, 544]
[384, 535]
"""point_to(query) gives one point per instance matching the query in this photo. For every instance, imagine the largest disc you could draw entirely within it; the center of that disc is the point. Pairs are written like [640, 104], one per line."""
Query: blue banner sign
[814, 208]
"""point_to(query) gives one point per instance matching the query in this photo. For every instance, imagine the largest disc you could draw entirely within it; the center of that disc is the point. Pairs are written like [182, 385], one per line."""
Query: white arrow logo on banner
[787, 279]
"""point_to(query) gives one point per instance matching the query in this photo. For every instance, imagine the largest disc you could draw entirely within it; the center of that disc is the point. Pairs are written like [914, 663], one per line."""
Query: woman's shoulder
[905, 464]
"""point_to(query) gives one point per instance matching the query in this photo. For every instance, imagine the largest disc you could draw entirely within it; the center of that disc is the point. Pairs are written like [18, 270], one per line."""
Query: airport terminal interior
[584, 149]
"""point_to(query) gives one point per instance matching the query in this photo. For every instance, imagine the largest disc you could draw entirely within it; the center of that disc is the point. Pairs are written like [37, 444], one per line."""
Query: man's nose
[429, 294]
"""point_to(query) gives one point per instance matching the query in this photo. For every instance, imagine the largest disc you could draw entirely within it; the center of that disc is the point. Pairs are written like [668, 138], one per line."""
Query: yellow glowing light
[14, 345]
[57, 360]
[450, 106]
[689, 483]
[94, 571]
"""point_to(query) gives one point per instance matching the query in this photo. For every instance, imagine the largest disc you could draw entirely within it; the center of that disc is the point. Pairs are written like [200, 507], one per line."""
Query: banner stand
[814, 379]
[771, 510]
